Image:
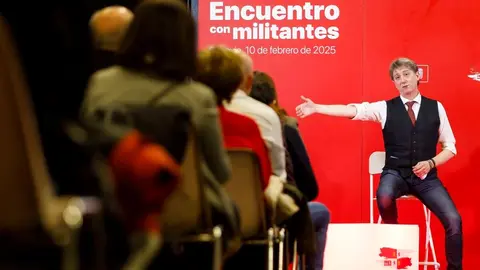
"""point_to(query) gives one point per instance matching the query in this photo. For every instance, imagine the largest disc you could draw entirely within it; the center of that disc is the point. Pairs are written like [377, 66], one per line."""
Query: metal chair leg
[270, 250]
[217, 248]
[303, 262]
[70, 259]
[295, 256]
[281, 249]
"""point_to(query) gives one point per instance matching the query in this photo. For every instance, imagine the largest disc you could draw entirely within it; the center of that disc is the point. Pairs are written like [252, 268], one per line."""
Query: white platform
[360, 246]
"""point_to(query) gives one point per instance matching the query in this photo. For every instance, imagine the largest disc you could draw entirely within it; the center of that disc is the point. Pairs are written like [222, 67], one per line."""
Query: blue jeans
[320, 218]
[434, 196]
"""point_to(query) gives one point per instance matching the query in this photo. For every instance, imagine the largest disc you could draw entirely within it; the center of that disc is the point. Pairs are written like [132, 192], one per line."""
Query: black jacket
[302, 168]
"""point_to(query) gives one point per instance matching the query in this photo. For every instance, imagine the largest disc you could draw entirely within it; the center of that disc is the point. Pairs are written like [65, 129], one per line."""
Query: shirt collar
[417, 99]
[240, 93]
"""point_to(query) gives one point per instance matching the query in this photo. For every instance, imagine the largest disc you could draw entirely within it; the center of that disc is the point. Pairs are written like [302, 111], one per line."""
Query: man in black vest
[412, 126]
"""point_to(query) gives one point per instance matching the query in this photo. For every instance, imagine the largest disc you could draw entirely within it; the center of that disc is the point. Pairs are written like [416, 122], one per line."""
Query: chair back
[183, 210]
[25, 187]
[376, 162]
[245, 189]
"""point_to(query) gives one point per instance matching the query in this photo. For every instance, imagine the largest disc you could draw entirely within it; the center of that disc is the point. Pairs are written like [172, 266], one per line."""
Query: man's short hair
[221, 69]
[402, 62]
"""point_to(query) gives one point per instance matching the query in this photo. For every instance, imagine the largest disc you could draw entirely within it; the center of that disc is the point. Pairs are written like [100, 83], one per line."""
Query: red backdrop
[444, 36]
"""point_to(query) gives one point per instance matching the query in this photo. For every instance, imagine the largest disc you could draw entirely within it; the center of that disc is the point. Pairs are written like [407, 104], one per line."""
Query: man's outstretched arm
[364, 111]
[309, 107]
[348, 111]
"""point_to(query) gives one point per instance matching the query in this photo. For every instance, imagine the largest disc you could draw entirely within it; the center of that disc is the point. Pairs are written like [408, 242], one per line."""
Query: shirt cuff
[451, 147]
[360, 111]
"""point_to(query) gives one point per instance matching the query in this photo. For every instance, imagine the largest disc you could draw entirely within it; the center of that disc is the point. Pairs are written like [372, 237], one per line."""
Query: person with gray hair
[412, 126]
[265, 117]
[108, 27]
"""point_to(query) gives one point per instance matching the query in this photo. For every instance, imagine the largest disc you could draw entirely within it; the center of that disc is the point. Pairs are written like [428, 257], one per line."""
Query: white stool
[376, 163]
[365, 246]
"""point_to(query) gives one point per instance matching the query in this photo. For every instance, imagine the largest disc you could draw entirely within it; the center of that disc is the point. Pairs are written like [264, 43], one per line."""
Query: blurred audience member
[264, 91]
[220, 69]
[264, 116]
[55, 48]
[108, 27]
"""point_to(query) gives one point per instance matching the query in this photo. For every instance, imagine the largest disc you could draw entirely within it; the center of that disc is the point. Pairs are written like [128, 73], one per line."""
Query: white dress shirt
[377, 112]
[269, 125]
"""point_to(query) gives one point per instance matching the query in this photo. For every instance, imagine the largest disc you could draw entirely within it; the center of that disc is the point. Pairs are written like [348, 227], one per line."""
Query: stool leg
[371, 198]
[427, 236]
[429, 245]
[430, 241]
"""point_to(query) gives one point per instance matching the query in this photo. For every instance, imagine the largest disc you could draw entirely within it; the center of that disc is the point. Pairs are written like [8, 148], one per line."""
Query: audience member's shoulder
[292, 122]
[201, 91]
[245, 123]
[201, 88]
[107, 73]
[248, 124]
[267, 110]
[241, 119]
[290, 129]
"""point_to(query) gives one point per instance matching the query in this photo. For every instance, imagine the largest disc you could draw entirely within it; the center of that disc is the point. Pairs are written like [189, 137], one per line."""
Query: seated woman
[220, 69]
[264, 91]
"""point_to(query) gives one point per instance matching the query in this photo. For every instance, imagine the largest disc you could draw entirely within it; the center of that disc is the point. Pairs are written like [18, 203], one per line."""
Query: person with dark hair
[161, 42]
[301, 172]
[412, 126]
[220, 69]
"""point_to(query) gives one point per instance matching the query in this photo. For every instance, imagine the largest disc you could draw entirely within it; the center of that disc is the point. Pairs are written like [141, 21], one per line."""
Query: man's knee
[453, 223]
[385, 199]
[320, 214]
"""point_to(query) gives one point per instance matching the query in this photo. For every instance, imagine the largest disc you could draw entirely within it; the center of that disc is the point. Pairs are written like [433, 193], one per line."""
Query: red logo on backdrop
[424, 72]
[474, 75]
[393, 258]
